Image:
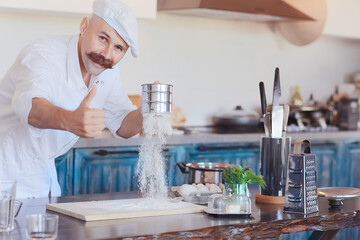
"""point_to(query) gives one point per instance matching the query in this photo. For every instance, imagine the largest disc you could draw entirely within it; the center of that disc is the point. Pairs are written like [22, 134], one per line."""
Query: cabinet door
[232, 153]
[349, 170]
[174, 175]
[64, 168]
[326, 163]
[103, 170]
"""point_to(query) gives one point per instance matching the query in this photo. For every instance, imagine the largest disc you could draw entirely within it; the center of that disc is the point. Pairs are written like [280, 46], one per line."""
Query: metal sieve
[156, 98]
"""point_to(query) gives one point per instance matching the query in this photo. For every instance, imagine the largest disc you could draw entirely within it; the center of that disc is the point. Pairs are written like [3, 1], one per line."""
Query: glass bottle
[296, 98]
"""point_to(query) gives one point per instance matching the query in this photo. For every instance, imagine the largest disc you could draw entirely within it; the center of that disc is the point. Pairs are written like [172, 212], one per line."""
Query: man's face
[100, 46]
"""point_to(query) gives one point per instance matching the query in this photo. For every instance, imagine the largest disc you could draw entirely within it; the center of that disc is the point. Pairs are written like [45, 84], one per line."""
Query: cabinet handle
[323, 144]
[103, 152]
[217, 148]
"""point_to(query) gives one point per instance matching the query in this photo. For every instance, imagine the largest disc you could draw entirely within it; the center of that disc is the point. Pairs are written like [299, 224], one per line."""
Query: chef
[62, 88]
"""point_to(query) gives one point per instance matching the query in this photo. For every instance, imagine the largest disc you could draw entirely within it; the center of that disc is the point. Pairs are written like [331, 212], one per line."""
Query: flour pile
[151, 166]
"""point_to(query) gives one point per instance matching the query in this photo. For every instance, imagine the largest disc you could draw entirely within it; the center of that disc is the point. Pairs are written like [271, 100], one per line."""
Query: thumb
[87, 100]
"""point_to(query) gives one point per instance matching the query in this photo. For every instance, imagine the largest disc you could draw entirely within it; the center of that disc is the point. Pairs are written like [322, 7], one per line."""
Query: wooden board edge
[269, 199]
[154, 213]
[65, 212]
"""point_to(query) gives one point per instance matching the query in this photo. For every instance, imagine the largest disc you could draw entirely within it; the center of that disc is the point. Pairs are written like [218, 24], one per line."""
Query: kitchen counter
[107, 140]
[267, 221]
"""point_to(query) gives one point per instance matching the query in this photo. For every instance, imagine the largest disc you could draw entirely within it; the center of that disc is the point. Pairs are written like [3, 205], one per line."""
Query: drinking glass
[7, 202]
[42, 226]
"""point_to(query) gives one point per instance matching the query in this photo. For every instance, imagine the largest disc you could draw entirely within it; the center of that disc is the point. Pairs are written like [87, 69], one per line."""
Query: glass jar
[231, 202]
[237, 189]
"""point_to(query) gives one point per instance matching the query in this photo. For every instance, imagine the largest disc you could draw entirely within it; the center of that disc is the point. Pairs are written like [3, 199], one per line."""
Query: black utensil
[263, 98]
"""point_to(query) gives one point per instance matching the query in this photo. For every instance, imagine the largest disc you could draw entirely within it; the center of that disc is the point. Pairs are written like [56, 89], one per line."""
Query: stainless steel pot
[203, 172]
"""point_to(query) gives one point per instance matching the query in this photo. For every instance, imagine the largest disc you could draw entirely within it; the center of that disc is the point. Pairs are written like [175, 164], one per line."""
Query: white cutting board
[124, 208]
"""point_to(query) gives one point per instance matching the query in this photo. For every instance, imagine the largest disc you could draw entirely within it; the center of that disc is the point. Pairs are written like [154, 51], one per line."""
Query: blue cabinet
[349, 169]
[112, 169]
[100, 170]
[327, 163]
[174, 175]
[338, 163]
[65, 170]
[103, 170]
[231, 153]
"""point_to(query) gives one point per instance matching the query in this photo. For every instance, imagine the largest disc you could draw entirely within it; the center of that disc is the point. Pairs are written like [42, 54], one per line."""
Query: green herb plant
[234, 175]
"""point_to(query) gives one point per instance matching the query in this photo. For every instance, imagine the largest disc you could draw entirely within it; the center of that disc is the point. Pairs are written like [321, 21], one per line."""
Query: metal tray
[237, 215]
[336, 195]
[338, 192]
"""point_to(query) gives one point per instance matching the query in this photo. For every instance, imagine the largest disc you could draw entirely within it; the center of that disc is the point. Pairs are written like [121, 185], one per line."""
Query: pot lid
[237, 113]
[208, 166]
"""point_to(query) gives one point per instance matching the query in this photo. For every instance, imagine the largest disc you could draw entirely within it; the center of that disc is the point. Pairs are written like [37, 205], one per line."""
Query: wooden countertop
[268, 221]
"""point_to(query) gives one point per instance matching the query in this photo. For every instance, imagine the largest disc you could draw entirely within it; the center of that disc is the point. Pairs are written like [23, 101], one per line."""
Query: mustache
[100, 59]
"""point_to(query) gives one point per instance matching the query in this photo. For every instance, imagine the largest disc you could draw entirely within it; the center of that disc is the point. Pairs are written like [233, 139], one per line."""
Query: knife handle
[263, 98]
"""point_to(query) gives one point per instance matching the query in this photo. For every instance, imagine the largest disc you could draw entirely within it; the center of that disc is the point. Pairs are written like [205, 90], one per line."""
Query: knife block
[301, 188]
[273, 159]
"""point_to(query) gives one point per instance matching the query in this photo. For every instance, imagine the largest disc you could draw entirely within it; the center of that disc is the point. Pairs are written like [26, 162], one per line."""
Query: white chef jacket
[49, 68]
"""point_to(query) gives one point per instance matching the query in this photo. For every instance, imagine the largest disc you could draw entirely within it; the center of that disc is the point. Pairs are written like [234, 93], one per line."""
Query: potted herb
[237, 177]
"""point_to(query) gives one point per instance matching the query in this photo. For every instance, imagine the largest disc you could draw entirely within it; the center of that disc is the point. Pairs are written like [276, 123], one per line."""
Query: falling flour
[151, 165]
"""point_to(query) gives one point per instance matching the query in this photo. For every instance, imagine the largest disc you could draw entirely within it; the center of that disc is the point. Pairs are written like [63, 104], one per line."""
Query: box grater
[301, 189]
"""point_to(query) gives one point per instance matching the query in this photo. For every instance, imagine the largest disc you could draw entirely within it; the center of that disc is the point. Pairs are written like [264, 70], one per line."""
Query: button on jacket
[49, 68]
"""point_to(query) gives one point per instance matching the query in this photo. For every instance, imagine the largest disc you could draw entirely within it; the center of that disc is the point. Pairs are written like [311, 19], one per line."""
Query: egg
[201, 188]
[214, 188]
[187, 190]
[199, 185]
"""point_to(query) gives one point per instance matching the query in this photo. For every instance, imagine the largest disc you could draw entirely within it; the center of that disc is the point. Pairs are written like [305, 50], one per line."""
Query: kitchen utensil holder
[301, 188]
[273, 159]
[156, 98]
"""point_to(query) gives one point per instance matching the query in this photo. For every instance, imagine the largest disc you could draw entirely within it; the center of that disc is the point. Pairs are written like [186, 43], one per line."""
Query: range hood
[255, 10]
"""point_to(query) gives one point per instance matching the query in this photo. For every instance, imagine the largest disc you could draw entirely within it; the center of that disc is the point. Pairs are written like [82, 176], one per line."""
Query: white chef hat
[121, 18]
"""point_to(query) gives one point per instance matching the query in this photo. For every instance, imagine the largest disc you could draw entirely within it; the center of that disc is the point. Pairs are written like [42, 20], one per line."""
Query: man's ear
[84, 24]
